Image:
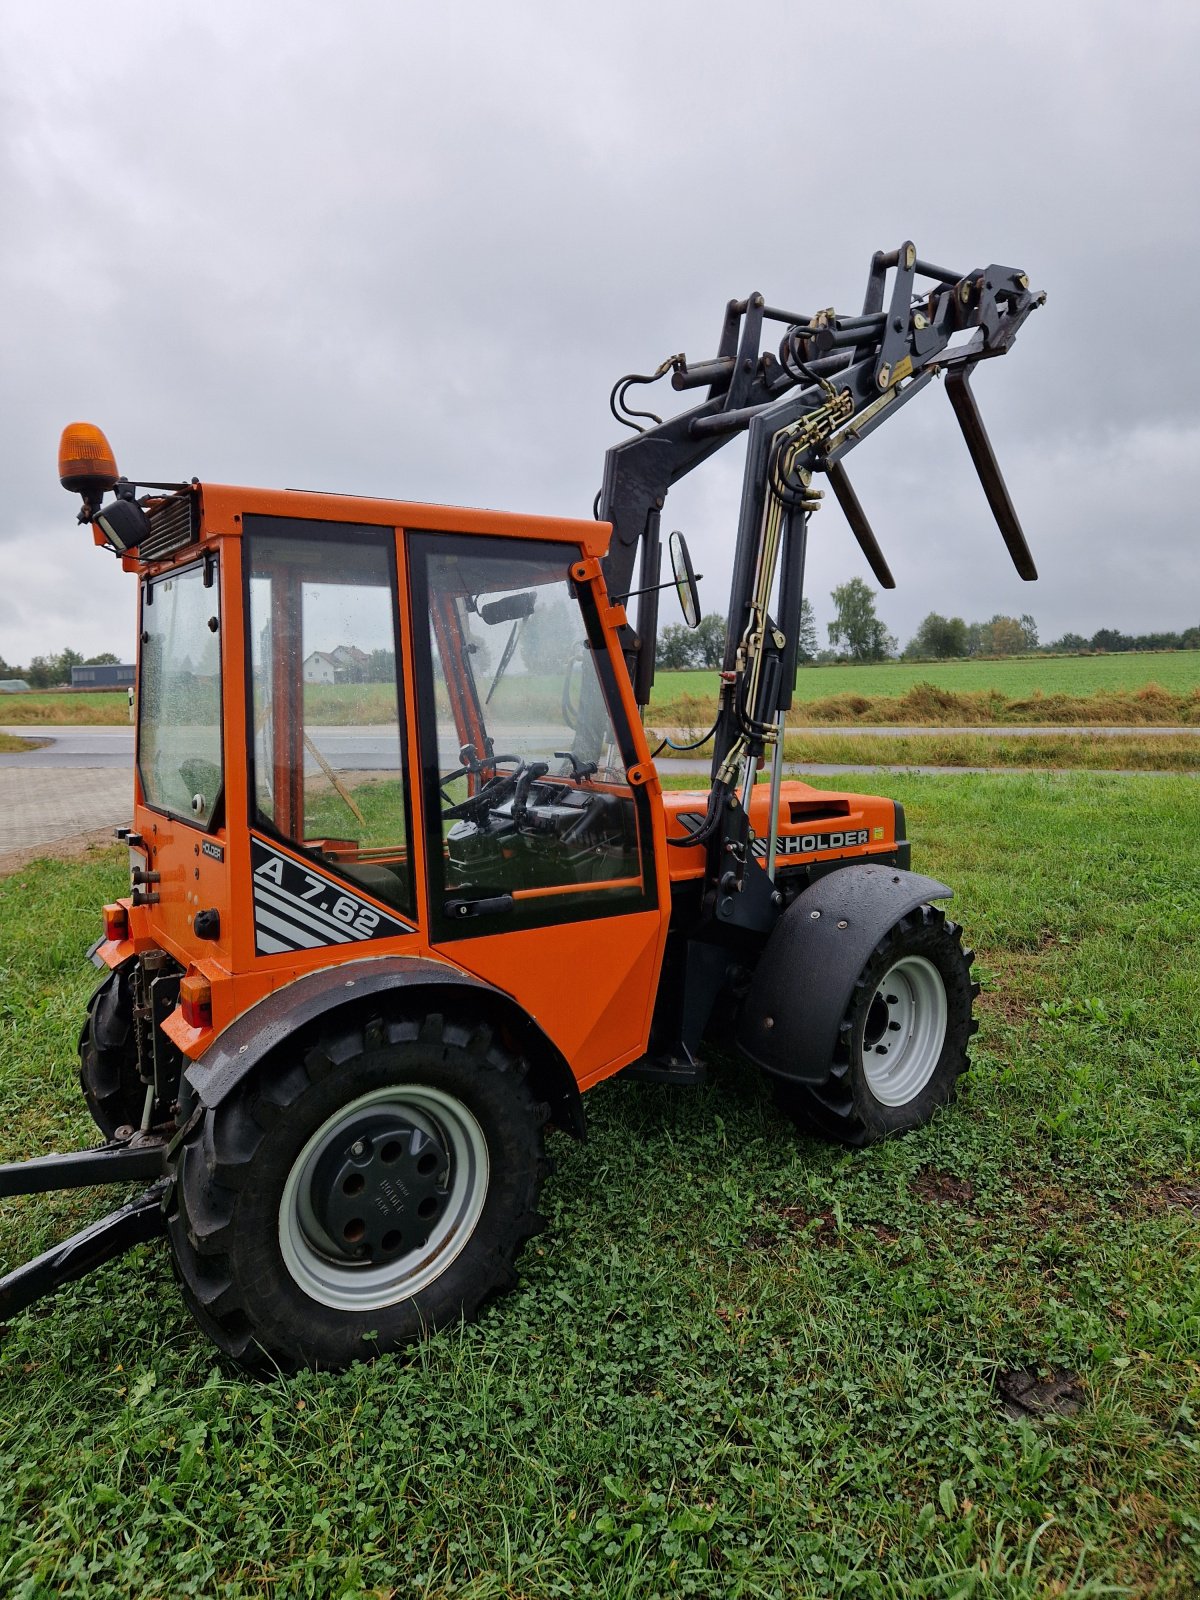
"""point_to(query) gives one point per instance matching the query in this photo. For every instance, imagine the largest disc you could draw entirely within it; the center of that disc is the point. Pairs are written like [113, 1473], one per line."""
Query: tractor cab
[369, 728]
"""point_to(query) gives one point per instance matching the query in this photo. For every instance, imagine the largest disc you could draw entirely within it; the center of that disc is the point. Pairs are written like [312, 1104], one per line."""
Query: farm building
[107, 675]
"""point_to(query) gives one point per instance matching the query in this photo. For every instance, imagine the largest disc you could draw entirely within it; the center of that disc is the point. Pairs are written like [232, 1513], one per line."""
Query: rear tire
[902, 1044]
[108, 1061]
[352, 1201]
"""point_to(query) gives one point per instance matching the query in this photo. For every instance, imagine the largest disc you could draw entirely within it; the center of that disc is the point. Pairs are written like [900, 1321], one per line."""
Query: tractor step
[680, 1070]
[135, 1223]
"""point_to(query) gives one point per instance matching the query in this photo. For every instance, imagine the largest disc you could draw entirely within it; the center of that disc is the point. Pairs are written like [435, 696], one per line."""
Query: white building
[319, 668]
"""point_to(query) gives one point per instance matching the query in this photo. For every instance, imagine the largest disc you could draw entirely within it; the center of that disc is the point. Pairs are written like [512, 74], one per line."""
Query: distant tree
[1030, 630]
[1189, 639]
[1109, 639]
[42, 672]
[676, 648]
[1002, 636]
[1069, 644]
[380, 667]
[939, 638]
[855, 624]
[105, 659]
[807, 643]
[548, 637]
[710, 640]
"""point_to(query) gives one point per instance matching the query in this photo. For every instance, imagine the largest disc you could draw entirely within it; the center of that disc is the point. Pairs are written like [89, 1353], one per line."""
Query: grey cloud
[406, 250]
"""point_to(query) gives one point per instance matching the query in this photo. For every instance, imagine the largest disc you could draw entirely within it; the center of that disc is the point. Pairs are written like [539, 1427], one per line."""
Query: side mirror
[685, 580]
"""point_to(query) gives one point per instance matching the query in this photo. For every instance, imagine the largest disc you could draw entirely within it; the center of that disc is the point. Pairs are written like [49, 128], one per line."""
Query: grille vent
[173, 526]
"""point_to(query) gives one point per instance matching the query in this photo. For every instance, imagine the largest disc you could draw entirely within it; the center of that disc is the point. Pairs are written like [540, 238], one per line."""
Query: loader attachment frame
[135, 1222]
[835, 379]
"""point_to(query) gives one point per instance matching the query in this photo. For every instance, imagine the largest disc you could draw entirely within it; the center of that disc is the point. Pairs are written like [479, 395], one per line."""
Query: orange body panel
[814, 825]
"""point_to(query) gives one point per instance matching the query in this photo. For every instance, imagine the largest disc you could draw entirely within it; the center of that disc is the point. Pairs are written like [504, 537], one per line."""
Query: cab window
[328, 752]
[530, 812]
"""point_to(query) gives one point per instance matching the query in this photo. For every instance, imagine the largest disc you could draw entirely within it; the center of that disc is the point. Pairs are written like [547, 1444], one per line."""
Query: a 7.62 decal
[297, 908]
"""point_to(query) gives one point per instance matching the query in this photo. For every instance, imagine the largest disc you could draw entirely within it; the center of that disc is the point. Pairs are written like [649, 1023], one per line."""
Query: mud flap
[805, 976]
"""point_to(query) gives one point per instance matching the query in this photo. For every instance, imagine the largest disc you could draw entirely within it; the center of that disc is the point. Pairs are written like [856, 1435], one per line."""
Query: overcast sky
[406, 249]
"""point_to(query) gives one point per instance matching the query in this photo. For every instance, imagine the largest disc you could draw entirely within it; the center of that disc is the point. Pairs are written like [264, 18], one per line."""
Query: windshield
[179, 699]
[531, 799]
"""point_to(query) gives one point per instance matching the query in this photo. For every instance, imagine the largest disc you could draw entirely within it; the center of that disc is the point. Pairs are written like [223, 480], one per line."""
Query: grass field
[1115, 753]
[1126, 689]
[80, 710]
[1178, 671]
[10, 744]
[740, 1362]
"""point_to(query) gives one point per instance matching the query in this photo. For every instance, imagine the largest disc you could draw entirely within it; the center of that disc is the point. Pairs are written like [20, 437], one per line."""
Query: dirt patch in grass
[78, 847]
[942, 1188]
[821, 1224]
[1024, 1395]
[1173, 1196]
[1002, 1003]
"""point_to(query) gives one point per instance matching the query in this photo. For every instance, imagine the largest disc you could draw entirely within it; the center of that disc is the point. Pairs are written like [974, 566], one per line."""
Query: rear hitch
[133, 1223]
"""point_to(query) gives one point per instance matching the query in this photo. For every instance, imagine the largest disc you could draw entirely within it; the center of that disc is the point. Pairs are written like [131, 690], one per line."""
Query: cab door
[540, 854]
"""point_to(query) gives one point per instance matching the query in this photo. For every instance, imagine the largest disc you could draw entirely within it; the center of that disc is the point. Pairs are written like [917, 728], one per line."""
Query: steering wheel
[476, 767]
[497, 788]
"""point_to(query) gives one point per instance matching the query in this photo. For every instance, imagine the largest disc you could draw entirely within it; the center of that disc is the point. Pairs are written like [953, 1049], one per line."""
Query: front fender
[360, 985]
[805, 976]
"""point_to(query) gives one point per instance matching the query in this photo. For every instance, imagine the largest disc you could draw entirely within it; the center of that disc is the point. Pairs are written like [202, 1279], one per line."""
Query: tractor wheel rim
[324, 1272]
[904, 1031]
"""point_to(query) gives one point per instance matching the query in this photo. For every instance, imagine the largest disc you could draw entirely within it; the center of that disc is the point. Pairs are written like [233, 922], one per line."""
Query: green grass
[1115, 753]
[1178, 671]
[83, 709]
[740, 1362]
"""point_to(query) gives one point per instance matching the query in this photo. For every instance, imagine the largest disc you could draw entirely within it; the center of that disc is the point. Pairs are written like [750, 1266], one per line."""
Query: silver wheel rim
[366, 1286]
[905, 1031]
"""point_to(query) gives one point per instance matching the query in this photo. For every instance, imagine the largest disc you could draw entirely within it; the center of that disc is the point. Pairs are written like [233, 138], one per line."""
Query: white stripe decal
[301, 938]
[310, 908]
[300, 912]
[265, 945]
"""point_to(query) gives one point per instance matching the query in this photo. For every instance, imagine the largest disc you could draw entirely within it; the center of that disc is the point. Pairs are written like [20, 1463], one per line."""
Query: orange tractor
[404, 879]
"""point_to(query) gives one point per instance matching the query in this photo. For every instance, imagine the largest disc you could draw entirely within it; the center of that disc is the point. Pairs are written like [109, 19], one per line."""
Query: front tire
[902, 1044]
[357, 1199]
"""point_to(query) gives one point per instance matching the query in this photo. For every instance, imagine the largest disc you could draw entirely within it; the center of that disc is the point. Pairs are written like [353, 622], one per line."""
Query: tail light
[195, 1001]
[116, 922]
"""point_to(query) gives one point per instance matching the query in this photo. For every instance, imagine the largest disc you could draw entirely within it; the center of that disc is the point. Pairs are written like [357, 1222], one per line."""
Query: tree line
[46, 672]
[858, 634]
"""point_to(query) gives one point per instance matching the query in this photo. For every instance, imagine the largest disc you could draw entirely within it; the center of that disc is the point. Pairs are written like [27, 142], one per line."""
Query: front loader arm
[835, 379]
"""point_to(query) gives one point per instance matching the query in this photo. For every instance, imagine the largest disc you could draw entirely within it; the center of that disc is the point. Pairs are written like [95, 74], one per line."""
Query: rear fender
[805, 976]
[360, 987]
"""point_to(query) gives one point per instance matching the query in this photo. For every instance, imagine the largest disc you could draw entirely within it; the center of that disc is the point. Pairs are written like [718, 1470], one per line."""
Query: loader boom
[834, 380]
